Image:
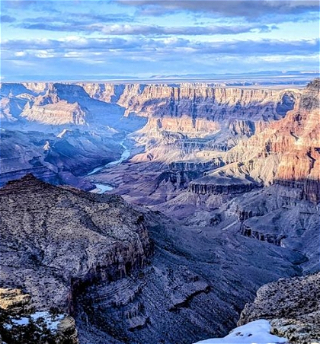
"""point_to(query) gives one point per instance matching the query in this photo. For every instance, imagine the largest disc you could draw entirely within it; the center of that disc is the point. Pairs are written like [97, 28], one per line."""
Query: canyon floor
[154, 213]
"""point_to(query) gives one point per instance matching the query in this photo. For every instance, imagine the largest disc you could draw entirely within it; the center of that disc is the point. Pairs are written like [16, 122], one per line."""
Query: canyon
[208, 193]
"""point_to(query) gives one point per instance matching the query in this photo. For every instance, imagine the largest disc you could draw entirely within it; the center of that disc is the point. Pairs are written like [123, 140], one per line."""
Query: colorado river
[125, 155]
[102, 188]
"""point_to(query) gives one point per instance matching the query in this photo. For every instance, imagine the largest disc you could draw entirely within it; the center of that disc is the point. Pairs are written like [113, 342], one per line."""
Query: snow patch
[50, 321]
[255, 332]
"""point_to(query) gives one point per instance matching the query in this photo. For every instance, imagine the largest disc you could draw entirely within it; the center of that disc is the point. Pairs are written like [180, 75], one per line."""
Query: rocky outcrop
[220, 185]
[21, 324]
[66, 238]
[292, 305]
[59, 113]
[270, 238]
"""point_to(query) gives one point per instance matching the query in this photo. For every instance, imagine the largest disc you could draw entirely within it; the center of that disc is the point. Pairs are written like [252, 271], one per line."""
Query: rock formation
[234, 170]
[287, 151]
[292, 305]
[91, 256]
[21, 324]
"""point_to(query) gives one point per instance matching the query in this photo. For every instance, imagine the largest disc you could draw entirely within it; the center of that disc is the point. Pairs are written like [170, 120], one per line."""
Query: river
[102, 188]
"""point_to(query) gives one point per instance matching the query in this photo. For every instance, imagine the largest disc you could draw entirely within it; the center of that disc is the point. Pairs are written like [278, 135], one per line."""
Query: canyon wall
[287, 151]
[193, 100]
[125, 274]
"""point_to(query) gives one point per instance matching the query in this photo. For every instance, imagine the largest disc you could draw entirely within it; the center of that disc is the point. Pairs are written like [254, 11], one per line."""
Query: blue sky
[91, 40]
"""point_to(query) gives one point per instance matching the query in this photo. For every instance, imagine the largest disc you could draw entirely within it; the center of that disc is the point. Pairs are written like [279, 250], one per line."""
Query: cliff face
[205, 101]
[87, 242]
[56, 114]
[293, 306]
[287, 151]
[91, 256]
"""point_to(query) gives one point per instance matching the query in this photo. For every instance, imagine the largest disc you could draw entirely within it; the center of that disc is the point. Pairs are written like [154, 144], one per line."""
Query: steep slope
[56, 158]
[91, 256]
[287, 151]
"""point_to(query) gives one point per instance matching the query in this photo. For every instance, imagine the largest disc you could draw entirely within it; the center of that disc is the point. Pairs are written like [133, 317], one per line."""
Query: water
[102, 188]
[124, 156]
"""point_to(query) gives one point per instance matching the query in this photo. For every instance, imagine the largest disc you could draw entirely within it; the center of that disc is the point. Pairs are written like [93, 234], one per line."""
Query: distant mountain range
[294, 76]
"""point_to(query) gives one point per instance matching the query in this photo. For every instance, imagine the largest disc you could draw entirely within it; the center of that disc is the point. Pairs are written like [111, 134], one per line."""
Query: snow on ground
[46, 146]
[255, 332]
[49, 320]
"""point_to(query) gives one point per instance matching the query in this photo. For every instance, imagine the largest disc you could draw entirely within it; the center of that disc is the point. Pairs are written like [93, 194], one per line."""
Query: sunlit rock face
[287, 151]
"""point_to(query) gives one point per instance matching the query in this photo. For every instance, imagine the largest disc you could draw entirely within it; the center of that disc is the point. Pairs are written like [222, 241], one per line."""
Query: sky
[103, 39]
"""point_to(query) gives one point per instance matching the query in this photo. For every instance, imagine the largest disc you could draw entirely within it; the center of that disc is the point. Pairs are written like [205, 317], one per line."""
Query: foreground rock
[21, 324]
[292, 305]
[54, 240]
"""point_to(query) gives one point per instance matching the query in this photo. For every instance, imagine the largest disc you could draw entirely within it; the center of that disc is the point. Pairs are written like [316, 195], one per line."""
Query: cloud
[250, 9]
[7, 19]
[180, 30]
[148, 30]
[158, 47]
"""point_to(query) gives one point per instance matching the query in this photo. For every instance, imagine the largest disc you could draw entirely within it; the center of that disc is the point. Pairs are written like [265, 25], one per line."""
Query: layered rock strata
[64, 238]
[287, 151]
[90, 256]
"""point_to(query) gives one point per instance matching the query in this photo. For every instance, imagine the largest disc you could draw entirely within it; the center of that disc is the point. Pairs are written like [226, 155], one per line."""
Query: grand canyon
[158, 212]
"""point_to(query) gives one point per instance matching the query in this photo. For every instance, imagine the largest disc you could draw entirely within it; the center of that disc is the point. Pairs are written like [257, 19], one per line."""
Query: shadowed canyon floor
[220, 192]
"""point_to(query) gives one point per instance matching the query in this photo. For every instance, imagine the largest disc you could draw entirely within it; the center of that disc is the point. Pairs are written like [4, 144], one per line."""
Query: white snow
[50, 320]
[21, 321]
[255, 332]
